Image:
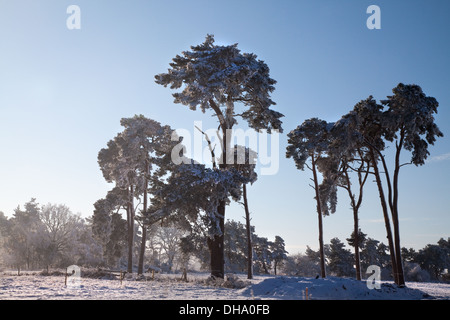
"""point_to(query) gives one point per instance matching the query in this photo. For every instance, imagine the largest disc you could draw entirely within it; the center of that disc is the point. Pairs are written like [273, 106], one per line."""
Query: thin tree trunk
[362, 181]
[144, 227]
[356, 232]
[393, 205]
[355, 206]
[385, 215]
[395, 220]
[319, 212]
[249, 236]
[130, 218]
[130, 241]
[265, 266]
[142, 250]
[355, 221]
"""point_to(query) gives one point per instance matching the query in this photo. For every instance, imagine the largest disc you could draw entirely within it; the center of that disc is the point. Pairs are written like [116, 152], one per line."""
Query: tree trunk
[142, 250]
[393, 205]
[216, 246]
[386, 215]
[130, 219]
[144, 228]
[395, 220]
[398, 253]
[356, 232]
[249, 236]
[319, 212]
[265, 266]
[362, 181]
[355, 208]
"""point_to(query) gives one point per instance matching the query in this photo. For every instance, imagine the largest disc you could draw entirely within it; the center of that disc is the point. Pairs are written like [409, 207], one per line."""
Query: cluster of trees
[233, 85]
[344, 153]
[267, 255]
[434, 259]
[149, 168]
[429, 263]
[49, 235]
[39, 237]
[155, 183]
[149, 187]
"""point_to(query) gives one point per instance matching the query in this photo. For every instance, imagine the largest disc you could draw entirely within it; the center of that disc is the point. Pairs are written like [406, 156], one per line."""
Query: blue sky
[63, 93]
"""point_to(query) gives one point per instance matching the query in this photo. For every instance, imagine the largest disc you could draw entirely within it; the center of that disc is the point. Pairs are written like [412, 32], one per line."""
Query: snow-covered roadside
[333, 288]
[437, 290]
[166, 287]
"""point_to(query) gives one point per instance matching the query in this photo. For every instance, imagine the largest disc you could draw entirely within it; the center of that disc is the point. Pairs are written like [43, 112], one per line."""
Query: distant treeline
[428, 264]
[51, 236]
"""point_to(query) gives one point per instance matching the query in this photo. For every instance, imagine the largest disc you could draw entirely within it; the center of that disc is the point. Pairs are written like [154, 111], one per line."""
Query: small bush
[232, 282]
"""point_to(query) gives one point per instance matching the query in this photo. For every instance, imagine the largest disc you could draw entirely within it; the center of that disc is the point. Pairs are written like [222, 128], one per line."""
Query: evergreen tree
[109, 229]
[435, 258]
[365, 124]
[235, 248]
[279, 252]
[135, 160]
[218, 78]
[192, 196]
[348, 155]
[311, 140]
[362, 237]
[263, 254]
[409, 123]
[340, 259]
[25, 228]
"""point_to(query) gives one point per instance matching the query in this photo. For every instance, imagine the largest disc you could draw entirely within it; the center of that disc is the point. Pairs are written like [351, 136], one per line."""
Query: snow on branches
[194, 191]
[357, 142]
[216, 77]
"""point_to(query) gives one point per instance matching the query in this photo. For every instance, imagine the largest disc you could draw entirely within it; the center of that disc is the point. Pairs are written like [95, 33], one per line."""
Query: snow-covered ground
[164, 287]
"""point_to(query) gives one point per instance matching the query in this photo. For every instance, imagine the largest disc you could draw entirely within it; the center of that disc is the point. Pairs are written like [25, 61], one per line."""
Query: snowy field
[168, 287]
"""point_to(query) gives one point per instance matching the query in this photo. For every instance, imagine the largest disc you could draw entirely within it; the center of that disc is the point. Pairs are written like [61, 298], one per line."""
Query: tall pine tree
[221, 78]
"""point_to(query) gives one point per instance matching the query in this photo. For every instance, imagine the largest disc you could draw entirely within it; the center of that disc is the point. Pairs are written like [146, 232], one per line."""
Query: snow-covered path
[53, 287]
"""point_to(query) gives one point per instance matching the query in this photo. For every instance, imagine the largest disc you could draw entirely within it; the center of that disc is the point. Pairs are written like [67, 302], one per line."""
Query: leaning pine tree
[221, 78]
